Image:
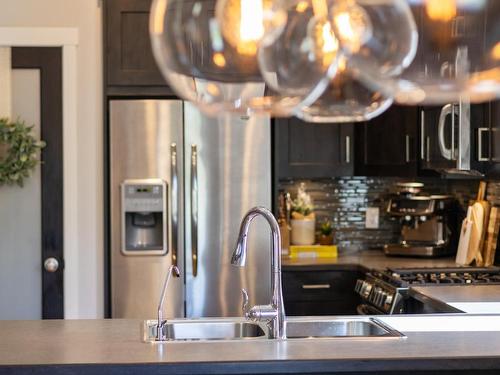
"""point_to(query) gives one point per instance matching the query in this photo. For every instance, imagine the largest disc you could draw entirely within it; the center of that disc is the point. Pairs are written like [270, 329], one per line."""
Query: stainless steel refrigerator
[180, 183]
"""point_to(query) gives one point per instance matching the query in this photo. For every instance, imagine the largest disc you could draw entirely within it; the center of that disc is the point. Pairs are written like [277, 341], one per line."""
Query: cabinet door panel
[495, 131]
[388, 143]
[306, 150]
[130, 60]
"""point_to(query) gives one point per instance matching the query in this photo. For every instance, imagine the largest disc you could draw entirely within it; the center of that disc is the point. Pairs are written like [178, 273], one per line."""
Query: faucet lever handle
[244, 305]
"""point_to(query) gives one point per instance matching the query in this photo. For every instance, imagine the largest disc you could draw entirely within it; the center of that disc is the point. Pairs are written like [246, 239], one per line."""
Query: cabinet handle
[422, 134]
[453, 149]
[480, 132]
[316, 286]
[174, 210]
[347, 149]
[463, 155]
[428, 147]
[407, 148]
[194, 209]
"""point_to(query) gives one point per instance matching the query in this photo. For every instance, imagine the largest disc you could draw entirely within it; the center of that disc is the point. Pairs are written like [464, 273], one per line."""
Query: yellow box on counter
[313, 251]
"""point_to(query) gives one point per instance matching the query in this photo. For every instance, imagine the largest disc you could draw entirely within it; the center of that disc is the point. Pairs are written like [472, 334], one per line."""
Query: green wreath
[19, 152]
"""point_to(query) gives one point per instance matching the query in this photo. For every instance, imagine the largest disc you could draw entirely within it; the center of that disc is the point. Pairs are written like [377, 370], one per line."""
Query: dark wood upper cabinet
[129, 58]
[305, 150]
[494, 123]
[387, 145]
[489, 139]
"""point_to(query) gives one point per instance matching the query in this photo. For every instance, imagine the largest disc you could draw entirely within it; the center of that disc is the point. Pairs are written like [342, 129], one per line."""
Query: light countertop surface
[476, 299]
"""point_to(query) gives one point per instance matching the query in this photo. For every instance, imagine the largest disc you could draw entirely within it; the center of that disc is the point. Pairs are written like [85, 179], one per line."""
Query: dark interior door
[48, 60]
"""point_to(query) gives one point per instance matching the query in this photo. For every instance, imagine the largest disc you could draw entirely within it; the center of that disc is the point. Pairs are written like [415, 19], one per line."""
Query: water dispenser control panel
[144, 217]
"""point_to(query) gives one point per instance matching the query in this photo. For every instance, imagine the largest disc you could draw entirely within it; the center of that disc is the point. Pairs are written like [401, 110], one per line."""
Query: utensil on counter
[481, 199]
[490, 243]
[473, 230]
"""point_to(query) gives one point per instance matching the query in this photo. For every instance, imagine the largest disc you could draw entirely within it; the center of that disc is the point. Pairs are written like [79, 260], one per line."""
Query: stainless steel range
[386, 292]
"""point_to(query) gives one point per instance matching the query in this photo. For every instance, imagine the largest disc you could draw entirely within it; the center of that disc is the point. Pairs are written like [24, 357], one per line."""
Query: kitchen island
[472, 299]
[434, 344]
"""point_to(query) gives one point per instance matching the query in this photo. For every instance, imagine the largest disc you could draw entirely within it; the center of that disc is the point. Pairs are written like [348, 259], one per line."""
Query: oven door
[365, 309]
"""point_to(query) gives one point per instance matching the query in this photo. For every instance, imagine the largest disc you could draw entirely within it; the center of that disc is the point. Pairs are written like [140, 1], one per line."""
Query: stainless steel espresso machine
[429, 223]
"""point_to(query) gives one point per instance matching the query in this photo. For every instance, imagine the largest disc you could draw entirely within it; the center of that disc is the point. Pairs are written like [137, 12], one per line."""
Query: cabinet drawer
[318, 308]
[318, 286]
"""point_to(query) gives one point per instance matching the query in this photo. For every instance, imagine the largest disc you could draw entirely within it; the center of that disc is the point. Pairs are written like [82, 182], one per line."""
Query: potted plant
[303, 220]
[326, 233]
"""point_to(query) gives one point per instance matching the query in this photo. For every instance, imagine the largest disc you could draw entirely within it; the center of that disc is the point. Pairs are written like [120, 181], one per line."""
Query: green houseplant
[326, 233]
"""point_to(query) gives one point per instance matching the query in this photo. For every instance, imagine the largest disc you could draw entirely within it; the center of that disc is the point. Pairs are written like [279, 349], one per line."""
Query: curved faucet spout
[275, 312]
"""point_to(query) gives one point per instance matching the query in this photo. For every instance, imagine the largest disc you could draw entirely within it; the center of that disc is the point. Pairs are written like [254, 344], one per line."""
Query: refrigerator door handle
[194, 208]
[174, 210]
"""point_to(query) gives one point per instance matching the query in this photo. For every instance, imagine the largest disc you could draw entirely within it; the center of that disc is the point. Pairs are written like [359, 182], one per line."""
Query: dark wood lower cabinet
[312, 293]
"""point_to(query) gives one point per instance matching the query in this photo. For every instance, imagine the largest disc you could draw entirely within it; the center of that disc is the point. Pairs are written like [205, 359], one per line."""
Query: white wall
[83, 278]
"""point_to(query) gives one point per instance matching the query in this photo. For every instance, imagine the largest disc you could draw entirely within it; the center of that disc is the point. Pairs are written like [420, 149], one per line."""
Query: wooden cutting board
[463, 257]
[481, 199]
[472, 235]
[490, 243]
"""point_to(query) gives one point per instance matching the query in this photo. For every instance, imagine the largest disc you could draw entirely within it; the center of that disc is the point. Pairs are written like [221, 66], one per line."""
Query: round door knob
[51, 264]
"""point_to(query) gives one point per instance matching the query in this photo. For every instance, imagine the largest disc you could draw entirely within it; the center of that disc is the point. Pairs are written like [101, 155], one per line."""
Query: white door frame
[67, 39]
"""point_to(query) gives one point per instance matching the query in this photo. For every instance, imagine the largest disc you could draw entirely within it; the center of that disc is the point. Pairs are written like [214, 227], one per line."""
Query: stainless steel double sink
[296, 328]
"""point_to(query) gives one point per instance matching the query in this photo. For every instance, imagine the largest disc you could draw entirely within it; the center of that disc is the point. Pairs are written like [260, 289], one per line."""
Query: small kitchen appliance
[429, 223]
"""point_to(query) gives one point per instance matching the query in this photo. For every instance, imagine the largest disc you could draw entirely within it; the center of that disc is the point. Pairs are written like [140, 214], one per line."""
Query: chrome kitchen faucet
[274, 313]
[160, 336]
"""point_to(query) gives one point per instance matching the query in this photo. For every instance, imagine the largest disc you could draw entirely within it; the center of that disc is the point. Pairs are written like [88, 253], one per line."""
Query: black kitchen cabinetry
[387, 145]
[489, 139]
[494, 124]
[130, 66]
[305, 150]
[307, 292]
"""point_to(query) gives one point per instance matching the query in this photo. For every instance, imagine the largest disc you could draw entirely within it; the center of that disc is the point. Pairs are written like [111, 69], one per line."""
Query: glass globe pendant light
[208, 52]
[346, 99]
[382, 32]
[458, 55]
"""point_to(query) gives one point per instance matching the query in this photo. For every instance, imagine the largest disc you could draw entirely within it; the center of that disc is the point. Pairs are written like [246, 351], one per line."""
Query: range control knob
[382, 299]
[366, 289]
[378, 297]
[374, 295]
[388, 301]
[359, 285]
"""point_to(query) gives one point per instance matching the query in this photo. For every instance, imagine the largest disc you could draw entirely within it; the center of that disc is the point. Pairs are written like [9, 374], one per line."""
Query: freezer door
[227, 171]
[146, 142]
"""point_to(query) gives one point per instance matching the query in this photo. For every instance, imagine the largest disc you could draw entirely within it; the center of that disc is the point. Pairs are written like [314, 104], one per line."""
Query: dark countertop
[368, 259]
[114, 346]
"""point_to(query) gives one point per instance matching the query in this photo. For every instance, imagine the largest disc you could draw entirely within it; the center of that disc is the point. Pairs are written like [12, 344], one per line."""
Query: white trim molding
[67, 38]
[38, 36]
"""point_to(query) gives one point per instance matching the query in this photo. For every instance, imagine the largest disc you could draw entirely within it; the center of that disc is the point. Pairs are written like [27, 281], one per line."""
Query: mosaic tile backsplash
[344, 201]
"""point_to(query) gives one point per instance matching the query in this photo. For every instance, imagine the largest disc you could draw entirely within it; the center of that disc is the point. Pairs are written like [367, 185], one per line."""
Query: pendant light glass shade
[458, 55]
[303, 59]
[346, 99]
[379, 35]
[217, 70]
[376, 37]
